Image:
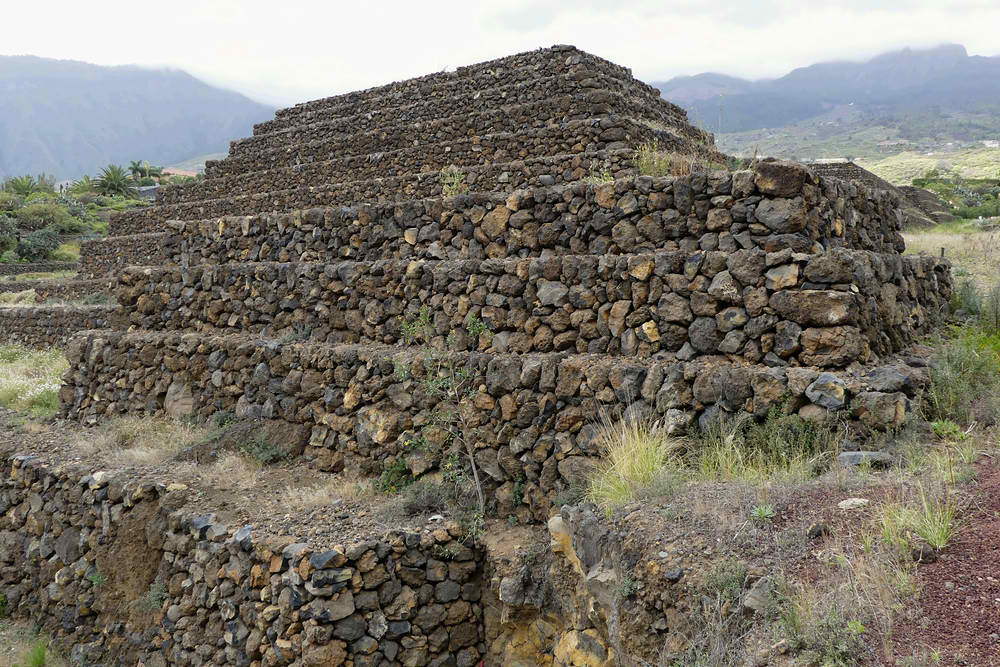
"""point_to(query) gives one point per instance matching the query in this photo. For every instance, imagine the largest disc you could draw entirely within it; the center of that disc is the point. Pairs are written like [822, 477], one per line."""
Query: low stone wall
[62, 290]
[49, 326]
[117, 575]
[105, 257]
[442, 121]
[16, 268]
[497, 177]
[531, 418]
[605, 134]
[519, 68]
[828, 309]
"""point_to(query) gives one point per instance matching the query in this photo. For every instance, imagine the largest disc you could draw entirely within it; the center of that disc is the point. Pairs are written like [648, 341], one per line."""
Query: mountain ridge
[68, 117]
[938, 94]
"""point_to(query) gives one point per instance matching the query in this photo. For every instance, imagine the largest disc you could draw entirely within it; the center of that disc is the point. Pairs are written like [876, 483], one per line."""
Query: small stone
[858, 458]
[852, 503]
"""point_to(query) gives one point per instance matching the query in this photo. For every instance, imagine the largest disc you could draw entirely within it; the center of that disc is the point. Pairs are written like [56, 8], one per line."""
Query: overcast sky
[289, 51]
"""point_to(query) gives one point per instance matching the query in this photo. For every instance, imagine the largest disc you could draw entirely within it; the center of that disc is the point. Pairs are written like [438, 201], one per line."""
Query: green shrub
[782, 445]
[452, 181]
[8, 234]
[38, 245]
[10, 201]
[39, 215]
[262, 451]
[965, 379]
[394, 478]
[967, 298]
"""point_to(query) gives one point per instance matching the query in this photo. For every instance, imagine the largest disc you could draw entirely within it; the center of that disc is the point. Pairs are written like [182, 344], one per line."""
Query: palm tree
[114, 180]
[83, 186]
[135, 168]
[22, 186]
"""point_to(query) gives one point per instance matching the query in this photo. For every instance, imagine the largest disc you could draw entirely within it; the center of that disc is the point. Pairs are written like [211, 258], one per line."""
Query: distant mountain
[68, 118]
[920, 96]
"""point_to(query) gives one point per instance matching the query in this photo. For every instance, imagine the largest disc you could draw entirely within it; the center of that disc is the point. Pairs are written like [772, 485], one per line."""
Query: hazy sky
[294, 50]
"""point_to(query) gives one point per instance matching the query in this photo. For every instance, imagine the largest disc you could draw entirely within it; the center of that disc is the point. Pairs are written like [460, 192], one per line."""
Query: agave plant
[21, 185]
[115, 180]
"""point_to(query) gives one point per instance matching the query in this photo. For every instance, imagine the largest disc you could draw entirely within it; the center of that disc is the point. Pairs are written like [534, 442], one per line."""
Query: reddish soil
[960, 596]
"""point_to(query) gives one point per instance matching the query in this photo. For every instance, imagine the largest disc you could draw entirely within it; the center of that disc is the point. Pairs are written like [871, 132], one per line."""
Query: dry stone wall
[101, 258]
[49, 290]
[533, 418]
[566, 61]
[608, 134]
[507, 176]
[52, 326]
[109, 567]
[827, 309]
[17, 268]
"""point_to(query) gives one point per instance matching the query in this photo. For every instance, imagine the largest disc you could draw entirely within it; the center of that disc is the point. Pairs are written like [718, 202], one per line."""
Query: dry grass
[638, 458]
[330, 492]
[24, 298]
[20, 647]
[140, 440]
[39, 275]
[651, 160]
[971, 251]
[30, 379]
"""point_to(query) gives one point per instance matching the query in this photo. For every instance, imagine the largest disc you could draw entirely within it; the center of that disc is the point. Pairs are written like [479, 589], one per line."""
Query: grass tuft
[638, 459]
[30, 379]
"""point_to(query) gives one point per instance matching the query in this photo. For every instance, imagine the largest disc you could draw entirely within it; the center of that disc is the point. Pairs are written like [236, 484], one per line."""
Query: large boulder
[780, 178]
[816, 307]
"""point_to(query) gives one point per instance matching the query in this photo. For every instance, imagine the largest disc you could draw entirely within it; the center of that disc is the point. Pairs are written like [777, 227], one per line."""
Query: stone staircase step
[508, 176]
[583, 136]
[818, 310]
[531, 416]
[464, 117]
[524, 67]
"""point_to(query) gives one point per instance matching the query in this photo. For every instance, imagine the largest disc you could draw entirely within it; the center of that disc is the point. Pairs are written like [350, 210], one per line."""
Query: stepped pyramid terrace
[480, 253]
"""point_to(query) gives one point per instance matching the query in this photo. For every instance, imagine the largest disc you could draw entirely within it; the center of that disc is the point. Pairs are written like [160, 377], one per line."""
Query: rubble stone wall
[110, 568]
[497, 177]
[46, 290]
[827, 309]
[721, 211]
[520, 68]
[18, 268]
[100, 258]
[532, 418]
[52, 326]
[608, 133]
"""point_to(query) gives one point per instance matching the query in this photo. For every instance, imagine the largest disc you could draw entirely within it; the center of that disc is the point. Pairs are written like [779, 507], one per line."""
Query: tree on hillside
[114, 180]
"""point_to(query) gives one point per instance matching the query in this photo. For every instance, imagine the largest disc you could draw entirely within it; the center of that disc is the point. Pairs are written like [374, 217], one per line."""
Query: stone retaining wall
[605, 134]
[828, 309]
[105, 257]
[51, 326]
[118, 576]
[391, 129]
[497, 177]
[63, 290]
[520, 68]
[16, 268]
[531, 418]
[718, 211]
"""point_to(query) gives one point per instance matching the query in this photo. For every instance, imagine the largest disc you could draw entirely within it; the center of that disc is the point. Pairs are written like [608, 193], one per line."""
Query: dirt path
[960, 595]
